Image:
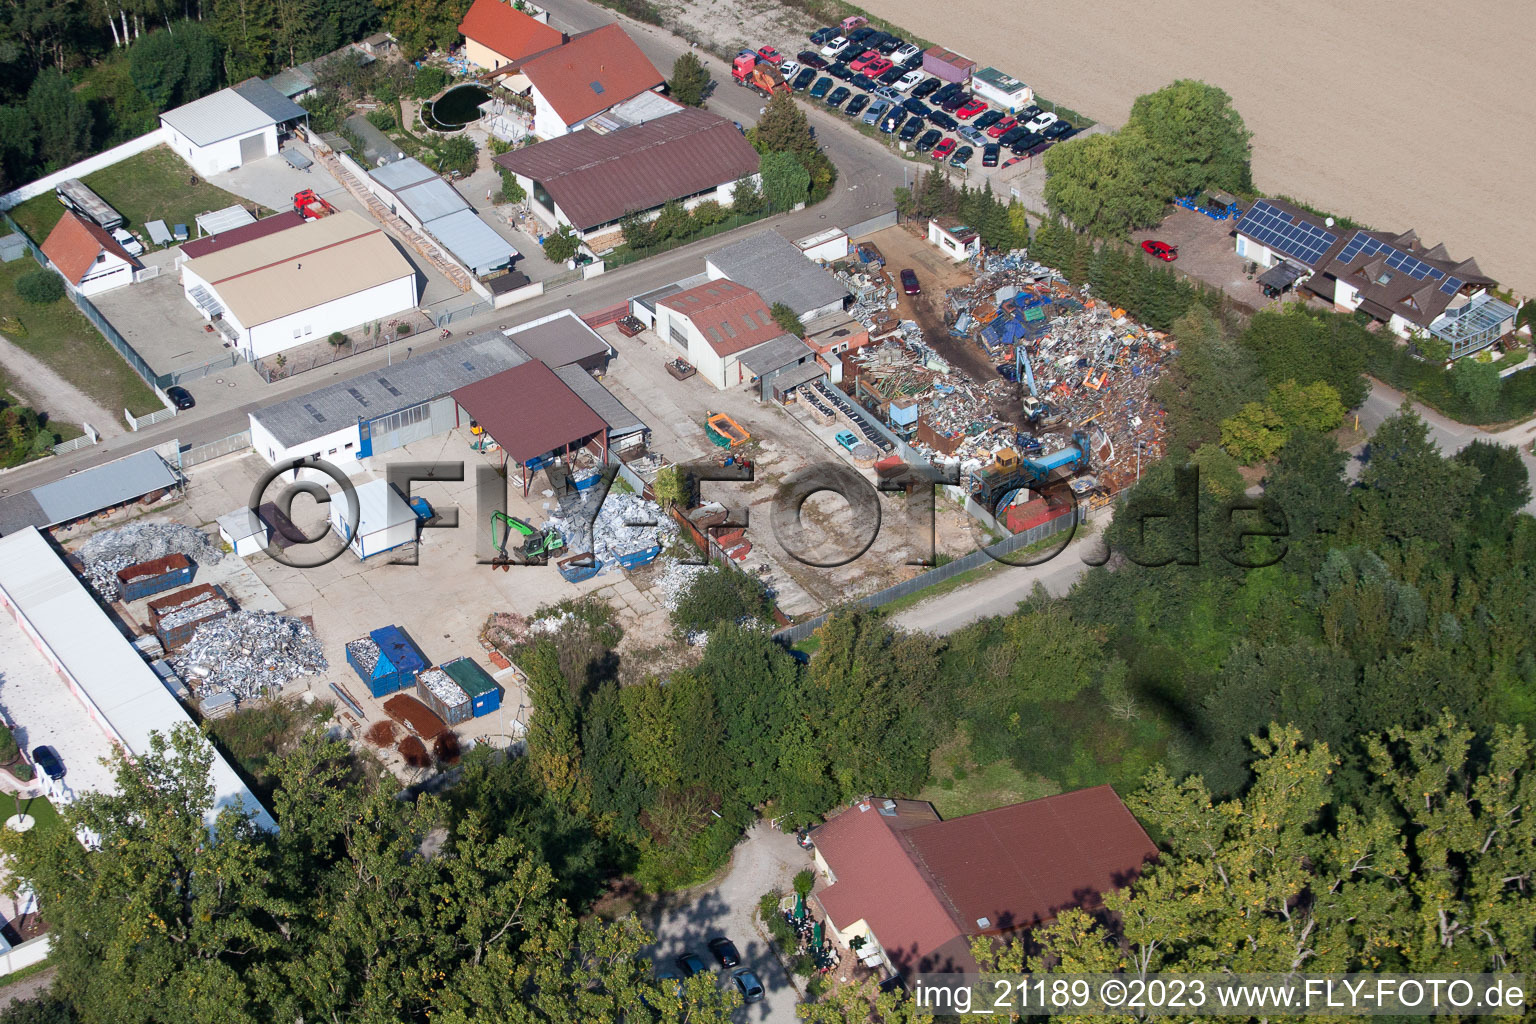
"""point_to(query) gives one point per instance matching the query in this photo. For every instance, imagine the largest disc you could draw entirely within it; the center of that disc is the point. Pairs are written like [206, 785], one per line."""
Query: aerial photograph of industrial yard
[687, 511]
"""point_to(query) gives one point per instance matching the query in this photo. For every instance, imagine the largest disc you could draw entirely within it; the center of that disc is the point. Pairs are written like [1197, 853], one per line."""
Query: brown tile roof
[511, 33]
[924, 886]
[596, 179]
[244, 233]
[731, 317]
[1397, 274]
[74, 243]
[950, 57]
[530, 411]
[591, 72]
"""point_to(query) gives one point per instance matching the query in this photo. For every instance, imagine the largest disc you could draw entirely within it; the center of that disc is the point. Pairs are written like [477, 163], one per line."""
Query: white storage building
[231, 127]
[1001, 90]
[776, 268]
[300, 285]
[383, 521]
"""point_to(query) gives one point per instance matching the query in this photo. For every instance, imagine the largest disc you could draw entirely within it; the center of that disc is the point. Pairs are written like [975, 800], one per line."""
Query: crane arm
[1027, 371]
[509, 523]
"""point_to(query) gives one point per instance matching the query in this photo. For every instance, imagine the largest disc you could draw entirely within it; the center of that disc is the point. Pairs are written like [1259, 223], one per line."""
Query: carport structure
[534, 416]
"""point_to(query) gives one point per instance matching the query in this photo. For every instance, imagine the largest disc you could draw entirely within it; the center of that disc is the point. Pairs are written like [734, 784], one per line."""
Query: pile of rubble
[110, 551]
[624, 524]
[246, 653]
[673, 581]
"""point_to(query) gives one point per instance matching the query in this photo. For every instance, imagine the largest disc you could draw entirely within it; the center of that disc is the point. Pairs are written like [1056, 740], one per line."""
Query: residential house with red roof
[87, 257]
[592, 72]
[917, 888]
[497, 33]
[717, 323]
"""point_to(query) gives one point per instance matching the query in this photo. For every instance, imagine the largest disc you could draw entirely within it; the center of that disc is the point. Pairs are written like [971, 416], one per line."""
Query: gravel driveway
[766, 859]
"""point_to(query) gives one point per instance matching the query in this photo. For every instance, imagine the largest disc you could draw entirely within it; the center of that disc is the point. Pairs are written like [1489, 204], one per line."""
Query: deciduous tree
[1196, 138]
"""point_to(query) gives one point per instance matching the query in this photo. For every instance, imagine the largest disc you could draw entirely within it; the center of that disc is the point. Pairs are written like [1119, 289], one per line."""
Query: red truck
[750, 70]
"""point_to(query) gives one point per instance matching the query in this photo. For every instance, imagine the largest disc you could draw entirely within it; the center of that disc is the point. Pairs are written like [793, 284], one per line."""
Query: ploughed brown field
[1398, 113]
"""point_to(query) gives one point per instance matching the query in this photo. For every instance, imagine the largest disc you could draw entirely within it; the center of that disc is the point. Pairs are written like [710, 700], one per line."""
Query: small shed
[483, 691]
[386, 660]
[957, 241]
[243, 531]
[384, 519]
[447, 700]
[1001, 89]
[947, 65]
[825, 246]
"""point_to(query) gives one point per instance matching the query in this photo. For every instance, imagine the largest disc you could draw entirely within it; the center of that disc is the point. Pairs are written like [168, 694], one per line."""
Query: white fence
[89, 438]
[90, 165]
[145, 273]
[140, 422]
[33, 951]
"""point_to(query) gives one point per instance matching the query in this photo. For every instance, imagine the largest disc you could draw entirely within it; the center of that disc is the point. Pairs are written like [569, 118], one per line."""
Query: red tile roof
[199, 247]
[530, 411]
[732, 318]
[596, 179]
[74, 243]
[501, 27]
[924, 885]
[591, 72]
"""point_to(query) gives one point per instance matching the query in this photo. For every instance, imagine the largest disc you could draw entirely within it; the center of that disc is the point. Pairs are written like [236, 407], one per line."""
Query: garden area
[392, 91]
[58, 334]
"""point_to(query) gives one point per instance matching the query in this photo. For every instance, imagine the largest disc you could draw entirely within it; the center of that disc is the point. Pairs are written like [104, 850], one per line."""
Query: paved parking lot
[1207, 252]
[766, 859]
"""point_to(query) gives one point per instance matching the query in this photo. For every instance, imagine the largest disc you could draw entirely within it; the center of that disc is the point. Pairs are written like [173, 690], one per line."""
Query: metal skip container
[446, 698]
[484, 692]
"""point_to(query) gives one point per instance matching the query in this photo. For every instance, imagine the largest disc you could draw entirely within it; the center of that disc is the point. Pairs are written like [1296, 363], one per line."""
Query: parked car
[725, 951]
[862, 82]
[892, 75]
[847, 440]
[1026, 141]
[1041, 121]
[971, 135]
[749, 986]
[47, 761]
[947, 90]
[971, 108]
[691, 964]
[1060, 130]
[962, 156]
[769, 55]
[863, 60]
[916, 106]
[878, 66]
[890, 45]
[943, 120]
[823, 36]
[862, 33]
[988, 118]
[893, 119]
[1012, 135]
[989, 154]
[840, 71]
[180, 397]
[804, 79]
[909, 81]
[927, 87]
[811, 59]
[956, 101]
[789, 69]
[1000, 128]
[906, 52]
[1028, 113]
[1162, 250]
[856, 105]
[848, 52]
[1064, 136]
[876, 111]
[912, 129]
[888, 94]
[821, 88]
[928, 141]
[943, 149]
[839, 94]
[835, 44]
[1013, 160]
[909, 281]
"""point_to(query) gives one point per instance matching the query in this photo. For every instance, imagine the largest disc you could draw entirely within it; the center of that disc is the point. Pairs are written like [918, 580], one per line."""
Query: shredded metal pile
[110, 551]
[442, 686]
[612, 534]
[198, 607]
[248, 652]
[364, 652]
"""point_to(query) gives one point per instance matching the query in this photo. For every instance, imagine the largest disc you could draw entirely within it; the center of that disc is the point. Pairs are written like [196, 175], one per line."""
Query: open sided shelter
[534, 416]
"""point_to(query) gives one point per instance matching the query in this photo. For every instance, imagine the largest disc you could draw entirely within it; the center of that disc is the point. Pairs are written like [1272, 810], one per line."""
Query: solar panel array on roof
[1407, 263]
[1273, 227]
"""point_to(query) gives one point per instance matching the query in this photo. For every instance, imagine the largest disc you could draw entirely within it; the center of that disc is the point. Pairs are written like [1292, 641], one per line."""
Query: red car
[971, 108]
[1014, 160]
[1003, 127]
[864, 60]
[769, 55]
[1162, 250]
[909, 282]
[943, 149]
[877, 67]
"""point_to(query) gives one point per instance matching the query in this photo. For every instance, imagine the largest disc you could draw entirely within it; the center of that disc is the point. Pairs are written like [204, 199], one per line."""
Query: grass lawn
[959, 786]
[64, 339]
[150, 186]
[41, 810]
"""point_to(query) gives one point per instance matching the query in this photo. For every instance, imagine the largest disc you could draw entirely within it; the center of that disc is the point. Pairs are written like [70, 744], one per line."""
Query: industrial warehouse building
[718, 324]
[118, 700]
[589, 180]
[779, 271]
[290, 287]
[427, 202]
[232, 127]
[384, 409]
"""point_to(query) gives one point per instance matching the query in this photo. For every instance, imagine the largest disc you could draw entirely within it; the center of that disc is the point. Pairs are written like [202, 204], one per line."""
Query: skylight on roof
[597, 87]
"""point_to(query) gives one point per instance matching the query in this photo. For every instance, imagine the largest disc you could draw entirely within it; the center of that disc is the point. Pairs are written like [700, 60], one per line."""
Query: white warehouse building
[231, 127]
[285, 289]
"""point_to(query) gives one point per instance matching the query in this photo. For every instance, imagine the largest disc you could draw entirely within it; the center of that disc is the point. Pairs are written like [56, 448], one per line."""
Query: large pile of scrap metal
[623, 529]
[246, 653]
[110, 551]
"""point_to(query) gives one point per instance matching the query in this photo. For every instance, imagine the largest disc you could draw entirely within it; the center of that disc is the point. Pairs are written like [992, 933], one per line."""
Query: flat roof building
[780, 272]
[429, 203]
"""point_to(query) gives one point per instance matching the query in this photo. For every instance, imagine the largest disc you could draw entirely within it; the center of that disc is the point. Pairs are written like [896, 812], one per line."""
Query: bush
[23, 772]
[427, 82]
[805, 881]
[40, 287]
[383, 120]
[9, 751]
[719, 595]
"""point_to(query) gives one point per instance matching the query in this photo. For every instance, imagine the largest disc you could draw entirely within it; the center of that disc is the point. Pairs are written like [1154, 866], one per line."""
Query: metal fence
[449, 316]
[873, 224]
[286, 365]
[197, 372]
[192, 455]
[1034, 535]
[140, 422]
[74, 444]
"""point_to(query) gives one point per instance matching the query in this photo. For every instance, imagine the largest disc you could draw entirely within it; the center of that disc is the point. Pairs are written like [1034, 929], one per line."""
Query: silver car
[876, 111]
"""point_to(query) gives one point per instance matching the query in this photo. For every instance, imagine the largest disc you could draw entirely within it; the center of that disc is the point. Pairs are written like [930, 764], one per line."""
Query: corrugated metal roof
[218, 116]
[87, 491]
[269, 101]
[227, 219]
[388, 389]
[776, 354]
[529, 411]
[560, 339]
[432, 199]
[621, 422]
[776, 269]
[597, 178]
[471, 240]
[131, 700]
[198, 247]
[732, 317]
[293, 81]
[402, 174]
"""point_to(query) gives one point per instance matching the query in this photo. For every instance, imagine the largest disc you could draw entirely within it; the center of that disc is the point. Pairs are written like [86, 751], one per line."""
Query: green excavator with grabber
[537, 546]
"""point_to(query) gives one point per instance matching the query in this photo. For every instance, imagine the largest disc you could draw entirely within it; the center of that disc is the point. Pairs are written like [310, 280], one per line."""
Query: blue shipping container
[483, 691]
[386, 660]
